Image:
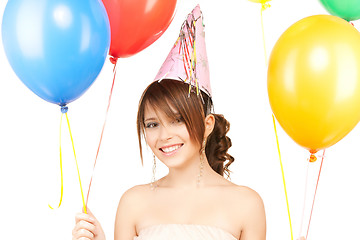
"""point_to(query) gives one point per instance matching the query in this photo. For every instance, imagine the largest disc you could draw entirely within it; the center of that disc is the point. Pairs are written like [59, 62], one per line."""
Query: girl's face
[169, 139]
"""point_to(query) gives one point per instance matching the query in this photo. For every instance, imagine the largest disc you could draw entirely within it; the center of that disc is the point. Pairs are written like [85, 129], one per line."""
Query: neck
[188, 177]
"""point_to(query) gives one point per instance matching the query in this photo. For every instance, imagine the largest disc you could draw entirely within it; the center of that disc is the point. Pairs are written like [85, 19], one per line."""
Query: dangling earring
[201, 167]
[153, 179]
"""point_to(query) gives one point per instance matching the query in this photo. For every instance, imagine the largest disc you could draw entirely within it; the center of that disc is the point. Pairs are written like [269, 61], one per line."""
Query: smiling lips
[170, 149]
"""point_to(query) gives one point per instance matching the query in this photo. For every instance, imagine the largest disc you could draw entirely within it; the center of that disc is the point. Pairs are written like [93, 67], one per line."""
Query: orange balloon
[314, 81]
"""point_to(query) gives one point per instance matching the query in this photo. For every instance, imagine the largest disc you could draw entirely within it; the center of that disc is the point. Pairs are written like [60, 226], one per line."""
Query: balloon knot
[113, 60]
[312, 158]
[264, 6]
[64, 109]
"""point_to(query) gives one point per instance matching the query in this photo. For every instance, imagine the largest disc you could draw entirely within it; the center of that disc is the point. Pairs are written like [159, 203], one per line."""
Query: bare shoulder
[246, 194]
[129, 209]
[238, 193]
[135, 194]
[132, 200]
[249, 209]
[247, 199]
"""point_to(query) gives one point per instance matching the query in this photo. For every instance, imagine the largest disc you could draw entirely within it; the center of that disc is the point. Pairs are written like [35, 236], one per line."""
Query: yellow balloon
[314, 81]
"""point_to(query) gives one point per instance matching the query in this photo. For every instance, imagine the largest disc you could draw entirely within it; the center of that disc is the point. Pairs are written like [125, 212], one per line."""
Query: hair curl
[217, 146]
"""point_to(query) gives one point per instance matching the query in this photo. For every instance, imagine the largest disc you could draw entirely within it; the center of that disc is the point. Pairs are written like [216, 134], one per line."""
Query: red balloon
[136, 24]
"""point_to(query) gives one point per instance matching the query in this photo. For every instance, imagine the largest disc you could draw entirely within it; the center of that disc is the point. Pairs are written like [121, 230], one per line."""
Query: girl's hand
[87, 227]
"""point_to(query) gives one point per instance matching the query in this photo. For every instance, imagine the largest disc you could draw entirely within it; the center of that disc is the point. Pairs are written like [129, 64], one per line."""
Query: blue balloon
[56, 47]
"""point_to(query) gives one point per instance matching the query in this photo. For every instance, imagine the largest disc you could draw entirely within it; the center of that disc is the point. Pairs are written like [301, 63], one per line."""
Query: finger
[90, 213]
[85, 225]
[87, 211]
[83, 233]
[84, 217]
[82, 238]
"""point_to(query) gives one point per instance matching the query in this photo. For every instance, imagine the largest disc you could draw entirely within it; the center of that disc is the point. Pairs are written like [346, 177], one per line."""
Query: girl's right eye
[151, 125]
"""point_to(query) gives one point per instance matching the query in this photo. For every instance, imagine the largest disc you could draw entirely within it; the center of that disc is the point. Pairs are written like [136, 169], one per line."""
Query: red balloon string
[114, 61]
[305, 193]
[317, 183]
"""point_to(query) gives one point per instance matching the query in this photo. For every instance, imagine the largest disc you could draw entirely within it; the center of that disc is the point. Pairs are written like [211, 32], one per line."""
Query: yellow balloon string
[283, 177]
[61, 169]
[263, 7]
[77, 166]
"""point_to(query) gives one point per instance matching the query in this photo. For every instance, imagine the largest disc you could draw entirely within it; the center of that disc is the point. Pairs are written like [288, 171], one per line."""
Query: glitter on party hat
[187, 60]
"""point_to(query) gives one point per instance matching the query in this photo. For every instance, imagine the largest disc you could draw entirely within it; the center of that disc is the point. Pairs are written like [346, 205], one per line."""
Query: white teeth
[170, 149]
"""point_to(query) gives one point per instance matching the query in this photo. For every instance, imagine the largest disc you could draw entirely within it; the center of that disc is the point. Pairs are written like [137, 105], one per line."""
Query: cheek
[184, 132]
[186, 136]
[150, 138]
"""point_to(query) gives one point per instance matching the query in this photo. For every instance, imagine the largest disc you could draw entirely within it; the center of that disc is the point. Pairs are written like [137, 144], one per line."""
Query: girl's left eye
[151, 125]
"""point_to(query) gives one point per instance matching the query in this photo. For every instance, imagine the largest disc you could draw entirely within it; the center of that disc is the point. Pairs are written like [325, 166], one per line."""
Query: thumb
[87, 211]
[90, 215]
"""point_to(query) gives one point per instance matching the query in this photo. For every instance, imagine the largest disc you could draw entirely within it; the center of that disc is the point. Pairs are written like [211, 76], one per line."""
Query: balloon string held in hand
[305, 194]
[317, 183]
[77, 166]
[264, 6]
[64, 110]
[61, 169]
[114, 61]
[283, 177]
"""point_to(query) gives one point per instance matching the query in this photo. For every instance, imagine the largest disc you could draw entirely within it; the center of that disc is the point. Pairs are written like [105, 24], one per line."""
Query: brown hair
[167, 94]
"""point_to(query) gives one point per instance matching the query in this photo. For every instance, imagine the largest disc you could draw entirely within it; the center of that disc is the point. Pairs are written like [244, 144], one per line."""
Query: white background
[29, 135]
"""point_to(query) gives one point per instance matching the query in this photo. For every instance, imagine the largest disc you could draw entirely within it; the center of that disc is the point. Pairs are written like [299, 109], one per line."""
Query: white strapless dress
[183, 232]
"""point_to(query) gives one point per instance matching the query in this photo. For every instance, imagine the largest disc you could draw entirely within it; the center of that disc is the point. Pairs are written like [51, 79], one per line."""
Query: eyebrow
[176, 115]
[150, 119]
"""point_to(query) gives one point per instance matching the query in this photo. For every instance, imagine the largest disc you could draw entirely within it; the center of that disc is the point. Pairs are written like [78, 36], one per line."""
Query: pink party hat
[187, 60]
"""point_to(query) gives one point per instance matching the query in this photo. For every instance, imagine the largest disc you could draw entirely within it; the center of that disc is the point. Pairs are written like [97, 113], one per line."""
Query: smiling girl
[176, 120]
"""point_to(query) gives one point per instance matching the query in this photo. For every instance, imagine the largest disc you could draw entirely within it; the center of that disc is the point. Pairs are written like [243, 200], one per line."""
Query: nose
[166, 132]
